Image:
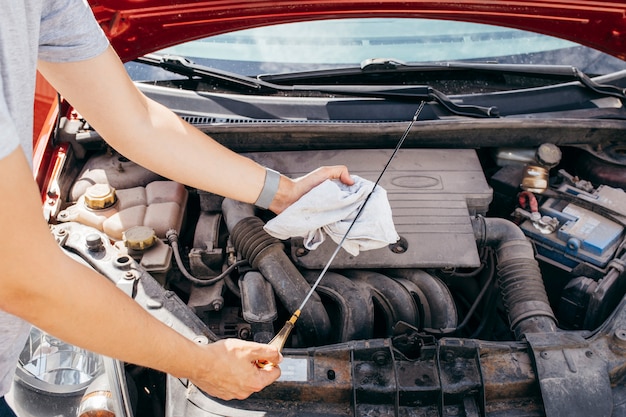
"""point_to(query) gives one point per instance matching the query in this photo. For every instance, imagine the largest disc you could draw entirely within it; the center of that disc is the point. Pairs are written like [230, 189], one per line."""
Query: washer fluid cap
[548, 155]
[99, 196]
[139, 237]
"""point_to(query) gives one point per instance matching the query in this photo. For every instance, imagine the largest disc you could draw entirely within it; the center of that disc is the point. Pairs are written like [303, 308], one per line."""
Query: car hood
[137, 27]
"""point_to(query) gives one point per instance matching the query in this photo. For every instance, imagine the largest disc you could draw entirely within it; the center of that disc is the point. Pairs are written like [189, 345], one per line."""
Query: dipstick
[281, 337]
[279, 340]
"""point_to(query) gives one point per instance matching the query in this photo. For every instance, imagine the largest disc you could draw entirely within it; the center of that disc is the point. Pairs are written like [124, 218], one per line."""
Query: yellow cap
[99, 196]
[139, 237]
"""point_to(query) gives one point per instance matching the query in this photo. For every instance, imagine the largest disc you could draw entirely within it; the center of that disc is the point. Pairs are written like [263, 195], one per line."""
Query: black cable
[172, 238]
[470, 312]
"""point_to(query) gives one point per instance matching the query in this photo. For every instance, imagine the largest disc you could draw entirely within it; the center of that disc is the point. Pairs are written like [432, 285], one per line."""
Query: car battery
[582, 235]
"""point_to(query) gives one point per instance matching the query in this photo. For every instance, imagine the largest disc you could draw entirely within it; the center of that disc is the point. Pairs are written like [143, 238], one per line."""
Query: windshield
[318, 45]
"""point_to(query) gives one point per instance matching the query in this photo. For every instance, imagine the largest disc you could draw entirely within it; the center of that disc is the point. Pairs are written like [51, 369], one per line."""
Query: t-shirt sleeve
[69, 32]
[8, 132]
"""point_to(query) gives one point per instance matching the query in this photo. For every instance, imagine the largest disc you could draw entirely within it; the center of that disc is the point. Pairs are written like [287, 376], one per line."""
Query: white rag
[330, 208]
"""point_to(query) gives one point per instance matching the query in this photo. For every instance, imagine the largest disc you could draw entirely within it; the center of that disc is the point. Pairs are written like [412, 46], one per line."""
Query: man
[39, 284]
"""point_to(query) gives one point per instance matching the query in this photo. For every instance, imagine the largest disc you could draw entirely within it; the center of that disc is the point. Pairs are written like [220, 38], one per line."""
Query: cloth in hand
[330, 208]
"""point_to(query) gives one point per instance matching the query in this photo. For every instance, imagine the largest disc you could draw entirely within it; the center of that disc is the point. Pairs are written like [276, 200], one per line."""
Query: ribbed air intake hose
[519, 276]
[267, 254]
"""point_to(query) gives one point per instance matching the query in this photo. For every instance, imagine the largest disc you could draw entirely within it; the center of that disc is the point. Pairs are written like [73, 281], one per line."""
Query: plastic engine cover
[432, 193]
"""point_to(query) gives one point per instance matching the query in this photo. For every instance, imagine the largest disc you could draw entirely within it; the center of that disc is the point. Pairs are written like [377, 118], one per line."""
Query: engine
[456, 270]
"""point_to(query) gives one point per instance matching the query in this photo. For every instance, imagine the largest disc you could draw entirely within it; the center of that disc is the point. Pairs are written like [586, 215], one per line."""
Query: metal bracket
[574, 380]
[132, 279]
[460, 376]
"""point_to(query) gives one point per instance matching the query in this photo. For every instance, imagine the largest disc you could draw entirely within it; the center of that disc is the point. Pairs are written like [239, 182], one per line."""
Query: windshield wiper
[390, 65]
[565, 71]
[183, 66]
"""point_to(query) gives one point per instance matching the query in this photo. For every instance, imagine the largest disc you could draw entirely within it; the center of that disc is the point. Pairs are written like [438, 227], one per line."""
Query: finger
[339, 172]
[269, 355]
[321, 174]
[261, 354]
[269, 373]
[345, 177]
[266, 363]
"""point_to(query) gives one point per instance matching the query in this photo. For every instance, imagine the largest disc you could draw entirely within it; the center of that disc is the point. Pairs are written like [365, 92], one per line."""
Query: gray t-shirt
[50, 30]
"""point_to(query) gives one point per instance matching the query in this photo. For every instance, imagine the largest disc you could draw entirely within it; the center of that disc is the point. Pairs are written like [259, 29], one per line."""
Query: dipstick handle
[279, 340]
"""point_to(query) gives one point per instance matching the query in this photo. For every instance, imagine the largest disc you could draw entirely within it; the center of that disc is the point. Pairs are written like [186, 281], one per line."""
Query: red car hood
[137, 27]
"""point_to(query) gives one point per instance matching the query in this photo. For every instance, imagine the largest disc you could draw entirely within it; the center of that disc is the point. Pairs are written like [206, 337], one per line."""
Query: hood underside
[137, 27]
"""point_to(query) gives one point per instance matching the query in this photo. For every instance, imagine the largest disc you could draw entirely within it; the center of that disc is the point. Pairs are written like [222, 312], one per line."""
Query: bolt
[94, 242]
[618, 344]
[589, 354]
[122, 262]
[129, 275]
[396, 248]
[244, 333]
[544, 355]
[400, 246]
[458, 370]
[379, 358]
[300, 252]
[217, 304]
[201, 340]
[620, 335]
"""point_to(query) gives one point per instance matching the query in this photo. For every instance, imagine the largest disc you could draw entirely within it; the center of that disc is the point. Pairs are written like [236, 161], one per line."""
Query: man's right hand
[231, 371]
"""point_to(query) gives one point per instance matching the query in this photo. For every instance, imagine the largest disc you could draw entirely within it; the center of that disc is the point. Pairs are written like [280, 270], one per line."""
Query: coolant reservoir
[160, 206]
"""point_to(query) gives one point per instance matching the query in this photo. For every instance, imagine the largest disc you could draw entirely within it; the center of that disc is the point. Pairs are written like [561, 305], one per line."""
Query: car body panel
[138, 27]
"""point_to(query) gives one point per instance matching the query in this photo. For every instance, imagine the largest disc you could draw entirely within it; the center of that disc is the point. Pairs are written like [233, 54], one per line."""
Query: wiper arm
[183, 66]
[390, 65]
[565, 71]
[606, 89]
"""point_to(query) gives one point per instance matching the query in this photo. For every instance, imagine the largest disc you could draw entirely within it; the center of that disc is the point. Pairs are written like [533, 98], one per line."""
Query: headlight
[50, 365]
[52, 376]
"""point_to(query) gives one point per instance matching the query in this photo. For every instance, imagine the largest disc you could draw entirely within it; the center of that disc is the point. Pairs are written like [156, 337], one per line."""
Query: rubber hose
[267, 254]
[519, 277]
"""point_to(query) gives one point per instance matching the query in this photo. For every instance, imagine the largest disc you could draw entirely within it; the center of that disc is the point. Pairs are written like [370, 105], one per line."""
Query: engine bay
[507, 256]
[441, 277]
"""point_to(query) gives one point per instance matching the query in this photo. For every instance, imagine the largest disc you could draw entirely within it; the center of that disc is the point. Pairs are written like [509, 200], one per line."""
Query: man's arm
[44, 286]
[151, 135]
[69, 300]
